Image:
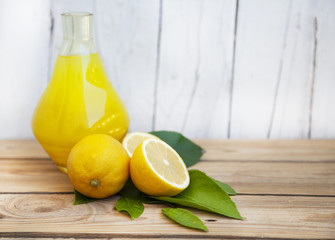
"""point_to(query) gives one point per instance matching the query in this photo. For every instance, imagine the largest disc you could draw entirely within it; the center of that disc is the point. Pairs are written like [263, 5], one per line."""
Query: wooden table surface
[286, 189]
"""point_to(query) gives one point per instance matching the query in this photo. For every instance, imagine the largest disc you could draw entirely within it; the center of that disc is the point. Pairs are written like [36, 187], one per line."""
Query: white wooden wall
[207, 68]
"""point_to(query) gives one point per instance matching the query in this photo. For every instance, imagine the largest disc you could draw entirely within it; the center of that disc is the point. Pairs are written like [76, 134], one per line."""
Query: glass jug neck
[77, 34]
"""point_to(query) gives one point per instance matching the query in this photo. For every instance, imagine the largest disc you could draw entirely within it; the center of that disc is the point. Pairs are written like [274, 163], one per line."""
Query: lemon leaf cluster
[205, 194]
[202, 192]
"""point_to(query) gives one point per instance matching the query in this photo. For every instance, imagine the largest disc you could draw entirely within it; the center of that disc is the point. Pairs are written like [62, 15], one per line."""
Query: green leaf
[187, 150]
[130, 205]
[184, 218]
[228, 189]
[205, 194]
[80, 198]
[129, 190]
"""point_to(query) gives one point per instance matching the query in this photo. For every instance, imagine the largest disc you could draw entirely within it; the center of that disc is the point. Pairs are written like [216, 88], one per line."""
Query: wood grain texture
[195, 66]
[263, 167]
[26, 176]
[24, 39]
[293, 178]
[268, 150]
[266, 216]
[245, 177]
[280, 197]
[240, 150]
[22, 149]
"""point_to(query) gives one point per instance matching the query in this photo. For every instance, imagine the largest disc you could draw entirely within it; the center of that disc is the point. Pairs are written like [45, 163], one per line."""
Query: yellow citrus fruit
[98, 166]
[132, 140]
[156, 169]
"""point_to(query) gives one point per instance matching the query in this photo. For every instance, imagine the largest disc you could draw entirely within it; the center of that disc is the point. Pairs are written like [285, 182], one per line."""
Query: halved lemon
[156, 169]
[132, 140]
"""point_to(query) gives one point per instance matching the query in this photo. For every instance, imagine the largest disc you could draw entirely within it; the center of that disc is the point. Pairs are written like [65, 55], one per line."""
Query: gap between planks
[201, 160]
[93, 236]
[239, 193]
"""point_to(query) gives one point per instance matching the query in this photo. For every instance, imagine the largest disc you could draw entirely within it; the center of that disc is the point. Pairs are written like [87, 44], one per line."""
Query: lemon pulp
[157, 169]
[132, 140]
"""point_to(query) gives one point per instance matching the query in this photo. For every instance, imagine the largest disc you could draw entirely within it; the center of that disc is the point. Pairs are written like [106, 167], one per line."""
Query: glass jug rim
[76, 14]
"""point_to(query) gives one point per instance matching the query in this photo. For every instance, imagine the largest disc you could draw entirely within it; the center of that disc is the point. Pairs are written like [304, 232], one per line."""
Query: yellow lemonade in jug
[78, 101]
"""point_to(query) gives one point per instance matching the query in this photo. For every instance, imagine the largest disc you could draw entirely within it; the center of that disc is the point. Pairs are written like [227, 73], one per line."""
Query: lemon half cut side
[132, 140]
[156, 169]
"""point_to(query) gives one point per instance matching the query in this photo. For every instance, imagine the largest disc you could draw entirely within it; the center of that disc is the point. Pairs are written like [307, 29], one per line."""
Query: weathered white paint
[259, 44]
[24, 42]
[195, 66]
[176, 66]
[323, 105]
[127, 34]
[291, 108]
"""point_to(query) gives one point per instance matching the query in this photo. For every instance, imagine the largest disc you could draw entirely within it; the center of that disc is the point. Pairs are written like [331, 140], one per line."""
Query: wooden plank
[216, 150]
[274, 177]
[51, 237]
[246, 177]
[195, 66]
[268, 150]
[94, 237]
[24, 42]
[32, 176]
[59, 238]
[127, 35]
[322, 107]
[266, 216]
[23, 149]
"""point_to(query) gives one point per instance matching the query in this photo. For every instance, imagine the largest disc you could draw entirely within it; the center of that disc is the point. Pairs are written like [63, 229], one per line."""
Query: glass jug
[79, 99]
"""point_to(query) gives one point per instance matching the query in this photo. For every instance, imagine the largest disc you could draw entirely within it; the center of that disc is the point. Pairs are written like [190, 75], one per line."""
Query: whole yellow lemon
[98, 166]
